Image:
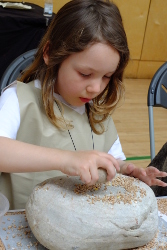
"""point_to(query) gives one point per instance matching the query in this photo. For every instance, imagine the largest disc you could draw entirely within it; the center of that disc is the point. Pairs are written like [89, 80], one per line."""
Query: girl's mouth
[84, 100]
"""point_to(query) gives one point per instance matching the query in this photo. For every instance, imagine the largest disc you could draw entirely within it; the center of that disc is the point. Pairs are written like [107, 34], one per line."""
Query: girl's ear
[46, 53]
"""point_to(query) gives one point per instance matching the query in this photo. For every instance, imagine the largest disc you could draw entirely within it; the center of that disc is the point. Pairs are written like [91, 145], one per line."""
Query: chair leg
[151, 130]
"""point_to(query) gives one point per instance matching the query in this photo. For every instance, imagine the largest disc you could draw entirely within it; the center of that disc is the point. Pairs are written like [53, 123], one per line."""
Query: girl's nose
[94, 86]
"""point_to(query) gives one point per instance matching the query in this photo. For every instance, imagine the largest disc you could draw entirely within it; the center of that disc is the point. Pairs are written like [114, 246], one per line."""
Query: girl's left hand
[148, 175]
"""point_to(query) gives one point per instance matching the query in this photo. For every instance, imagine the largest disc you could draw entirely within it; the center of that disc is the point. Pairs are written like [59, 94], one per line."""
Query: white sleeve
[116, 150]
[9, 112]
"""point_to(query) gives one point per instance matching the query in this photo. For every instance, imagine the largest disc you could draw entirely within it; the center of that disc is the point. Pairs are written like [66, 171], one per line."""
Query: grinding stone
[64, 214]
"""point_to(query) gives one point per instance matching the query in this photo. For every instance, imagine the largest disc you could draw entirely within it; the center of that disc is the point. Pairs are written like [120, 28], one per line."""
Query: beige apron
[35, 128]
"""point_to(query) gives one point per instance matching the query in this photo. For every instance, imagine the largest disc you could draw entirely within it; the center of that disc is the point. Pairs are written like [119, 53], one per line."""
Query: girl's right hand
[86, 164]
[20, 157]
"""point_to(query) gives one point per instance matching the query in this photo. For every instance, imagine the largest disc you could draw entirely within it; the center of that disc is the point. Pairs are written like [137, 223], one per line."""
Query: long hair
[77, 25]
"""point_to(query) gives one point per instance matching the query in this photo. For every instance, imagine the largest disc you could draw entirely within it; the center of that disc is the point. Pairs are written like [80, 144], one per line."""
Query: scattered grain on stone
[128, 184]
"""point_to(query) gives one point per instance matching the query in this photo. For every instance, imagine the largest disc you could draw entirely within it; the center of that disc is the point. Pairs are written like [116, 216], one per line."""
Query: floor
[132, 123]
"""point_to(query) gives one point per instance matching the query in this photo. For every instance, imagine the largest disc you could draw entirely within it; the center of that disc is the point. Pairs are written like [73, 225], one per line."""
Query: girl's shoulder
[9, 111]
[8, 93]
[33, 86]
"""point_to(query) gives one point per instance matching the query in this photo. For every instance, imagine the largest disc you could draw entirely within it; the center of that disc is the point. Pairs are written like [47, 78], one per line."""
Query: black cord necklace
[69, 130]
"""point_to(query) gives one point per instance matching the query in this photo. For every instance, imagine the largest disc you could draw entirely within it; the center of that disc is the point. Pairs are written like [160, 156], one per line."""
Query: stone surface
[102, 175]
[65, 214]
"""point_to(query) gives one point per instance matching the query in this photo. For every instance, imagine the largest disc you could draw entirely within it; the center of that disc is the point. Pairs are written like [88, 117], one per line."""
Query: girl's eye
[84, 75]
[108, 77]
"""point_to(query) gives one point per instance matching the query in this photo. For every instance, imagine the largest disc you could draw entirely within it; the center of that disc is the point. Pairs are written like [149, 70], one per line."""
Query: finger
[143, 172]
[154, 171]
[114, 173]
[157, 182]
[111, 159]
[108, 165]
[85, 176]
[97, 175]
[101, 175]
[114, 163]
[162, 174]
[131, 170]
[111, 172]
[94, 175]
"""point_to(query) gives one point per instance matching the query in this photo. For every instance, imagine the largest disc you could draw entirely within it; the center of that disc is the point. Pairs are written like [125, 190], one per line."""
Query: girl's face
[84, 75]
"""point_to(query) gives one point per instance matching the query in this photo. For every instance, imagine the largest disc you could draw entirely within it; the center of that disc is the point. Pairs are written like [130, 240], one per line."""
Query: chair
[16, 67]
[157, 97]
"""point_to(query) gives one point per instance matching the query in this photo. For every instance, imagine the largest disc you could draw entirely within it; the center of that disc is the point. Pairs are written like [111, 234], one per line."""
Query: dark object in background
[20, 31]
[160, 162]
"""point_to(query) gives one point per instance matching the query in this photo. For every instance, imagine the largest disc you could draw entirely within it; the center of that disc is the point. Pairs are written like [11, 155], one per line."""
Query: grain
[130, 195]
[21, 232]
[128, 184]
[158, 244]
[162, 206]
[1, 245]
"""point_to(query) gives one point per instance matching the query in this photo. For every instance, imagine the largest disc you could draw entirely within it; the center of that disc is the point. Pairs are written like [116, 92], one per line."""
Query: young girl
[59, 120]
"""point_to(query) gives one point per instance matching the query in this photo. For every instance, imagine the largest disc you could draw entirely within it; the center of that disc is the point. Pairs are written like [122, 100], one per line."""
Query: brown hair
[76, 25]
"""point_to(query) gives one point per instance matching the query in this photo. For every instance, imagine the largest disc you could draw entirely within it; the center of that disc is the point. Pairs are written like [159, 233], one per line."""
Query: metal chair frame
[16, 67]
[157, 97]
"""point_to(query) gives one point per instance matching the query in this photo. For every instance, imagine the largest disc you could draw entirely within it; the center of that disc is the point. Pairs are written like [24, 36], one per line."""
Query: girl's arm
[147, 175]
[16, 156]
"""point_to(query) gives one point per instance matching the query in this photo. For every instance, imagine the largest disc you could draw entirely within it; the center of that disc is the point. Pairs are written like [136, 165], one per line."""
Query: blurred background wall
[145, 22]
